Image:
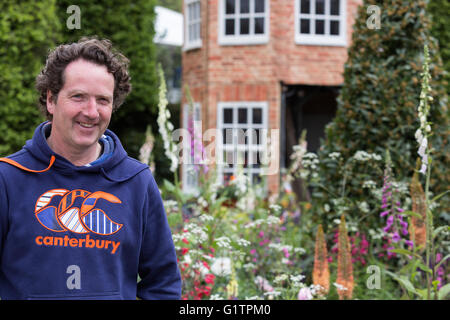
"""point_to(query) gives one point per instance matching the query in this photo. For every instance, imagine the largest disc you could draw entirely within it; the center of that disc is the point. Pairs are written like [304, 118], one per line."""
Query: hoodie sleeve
[4, 219]
[158, 268]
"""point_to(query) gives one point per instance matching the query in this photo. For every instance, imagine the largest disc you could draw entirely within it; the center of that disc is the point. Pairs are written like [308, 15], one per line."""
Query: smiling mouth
[86, 125]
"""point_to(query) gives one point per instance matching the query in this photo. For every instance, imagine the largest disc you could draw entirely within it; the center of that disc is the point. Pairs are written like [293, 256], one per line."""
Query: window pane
[240, 134]
[245, 26]
[194, 32]
[230, 7]
[197, 10]
[251, 136]
[191, 11]
[320, 26]
[256, 161]
[259, 6]
[242, 158]
[197, 31]
[334, 27]
[320, 6]
[229, 26]
[304, 6]
[242, 115]
[257, 115]
[258, 136]
[304, 26]
[191, 32]
[228, 158]
[227, 136]
[227, 115]
[259, 25]
[334, 7]
[245, 6]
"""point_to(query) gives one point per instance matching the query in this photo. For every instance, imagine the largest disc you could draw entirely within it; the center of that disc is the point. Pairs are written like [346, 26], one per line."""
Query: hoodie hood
[118, 167]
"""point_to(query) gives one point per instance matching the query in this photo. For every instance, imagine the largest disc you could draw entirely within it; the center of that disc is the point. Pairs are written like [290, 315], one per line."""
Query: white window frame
[235, 147]
[250, 39]
[195, 43]
[190, 183]
[318, 39]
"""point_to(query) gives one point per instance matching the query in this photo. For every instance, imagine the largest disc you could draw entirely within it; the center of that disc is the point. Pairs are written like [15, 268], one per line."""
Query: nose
[91, 110]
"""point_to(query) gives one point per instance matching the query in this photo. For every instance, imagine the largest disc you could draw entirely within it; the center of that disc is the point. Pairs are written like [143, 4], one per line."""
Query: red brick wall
[217, 73]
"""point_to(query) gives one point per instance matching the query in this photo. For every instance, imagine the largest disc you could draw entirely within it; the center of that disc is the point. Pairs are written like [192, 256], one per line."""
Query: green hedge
[27, 30]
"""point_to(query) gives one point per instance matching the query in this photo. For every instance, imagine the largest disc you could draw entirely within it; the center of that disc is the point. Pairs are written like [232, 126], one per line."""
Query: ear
[50, 102]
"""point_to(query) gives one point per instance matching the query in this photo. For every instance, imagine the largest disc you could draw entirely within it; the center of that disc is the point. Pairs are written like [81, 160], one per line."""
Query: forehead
[89, 76]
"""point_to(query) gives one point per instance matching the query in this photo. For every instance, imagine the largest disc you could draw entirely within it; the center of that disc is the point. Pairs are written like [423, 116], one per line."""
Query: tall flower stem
[429, 228]
[422, 136]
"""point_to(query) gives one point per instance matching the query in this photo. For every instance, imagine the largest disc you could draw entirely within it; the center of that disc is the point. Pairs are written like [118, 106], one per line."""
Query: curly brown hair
[90, 49]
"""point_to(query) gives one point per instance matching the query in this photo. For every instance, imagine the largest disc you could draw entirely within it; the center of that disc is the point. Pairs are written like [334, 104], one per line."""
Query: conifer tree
[377, 105]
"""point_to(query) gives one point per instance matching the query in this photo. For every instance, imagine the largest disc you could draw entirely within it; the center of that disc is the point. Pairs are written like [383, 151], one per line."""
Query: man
[79, 219]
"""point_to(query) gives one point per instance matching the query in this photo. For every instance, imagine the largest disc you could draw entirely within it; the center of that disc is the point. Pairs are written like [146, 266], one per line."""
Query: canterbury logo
[84, 219]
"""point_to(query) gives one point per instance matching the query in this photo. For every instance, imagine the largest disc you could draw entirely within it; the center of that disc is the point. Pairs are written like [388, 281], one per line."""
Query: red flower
[184, 251]
[209, 278]
[185, 240]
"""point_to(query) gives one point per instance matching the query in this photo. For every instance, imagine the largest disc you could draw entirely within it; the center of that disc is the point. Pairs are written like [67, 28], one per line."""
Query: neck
[76, 157]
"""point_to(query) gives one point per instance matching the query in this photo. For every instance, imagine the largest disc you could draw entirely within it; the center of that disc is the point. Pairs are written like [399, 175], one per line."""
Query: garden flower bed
[236, 242]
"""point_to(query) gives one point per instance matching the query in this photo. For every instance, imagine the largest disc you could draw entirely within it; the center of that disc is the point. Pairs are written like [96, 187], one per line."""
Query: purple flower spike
[396, 237]
[384, 213]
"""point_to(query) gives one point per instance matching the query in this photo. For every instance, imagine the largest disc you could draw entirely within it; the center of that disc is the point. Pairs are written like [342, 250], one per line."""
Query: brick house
[260, 64]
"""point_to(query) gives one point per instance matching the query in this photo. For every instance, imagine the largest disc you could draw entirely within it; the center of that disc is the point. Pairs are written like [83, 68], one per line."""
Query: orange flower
[417, 228]
[345, 267]
[321, 272]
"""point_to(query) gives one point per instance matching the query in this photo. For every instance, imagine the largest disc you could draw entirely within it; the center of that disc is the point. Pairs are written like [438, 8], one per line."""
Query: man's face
[83, 108]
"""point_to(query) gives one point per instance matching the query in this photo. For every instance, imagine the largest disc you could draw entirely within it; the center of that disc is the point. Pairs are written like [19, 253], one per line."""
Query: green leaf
[169, 186]
[441, 262]
[412, 213]
[405, 252]
[404, 282]
[424, 268]
[439, 196]
[423, 293]
[440, 229]
[444, 292]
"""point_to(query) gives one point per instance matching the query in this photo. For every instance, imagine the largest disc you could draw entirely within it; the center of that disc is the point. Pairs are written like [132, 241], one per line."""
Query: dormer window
[243, 22]
[320, 22]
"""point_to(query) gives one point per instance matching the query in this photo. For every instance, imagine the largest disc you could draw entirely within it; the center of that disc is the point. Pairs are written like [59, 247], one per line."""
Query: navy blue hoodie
[69, 232]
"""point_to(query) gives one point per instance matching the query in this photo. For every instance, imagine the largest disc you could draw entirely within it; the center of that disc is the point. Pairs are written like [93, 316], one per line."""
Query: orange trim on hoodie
[18, 165]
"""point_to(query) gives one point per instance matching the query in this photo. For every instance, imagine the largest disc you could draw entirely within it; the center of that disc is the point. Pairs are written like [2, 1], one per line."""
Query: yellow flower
[232, 287]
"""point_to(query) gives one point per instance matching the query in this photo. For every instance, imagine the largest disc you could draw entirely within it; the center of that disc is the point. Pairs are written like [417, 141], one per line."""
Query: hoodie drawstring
[18, 165]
